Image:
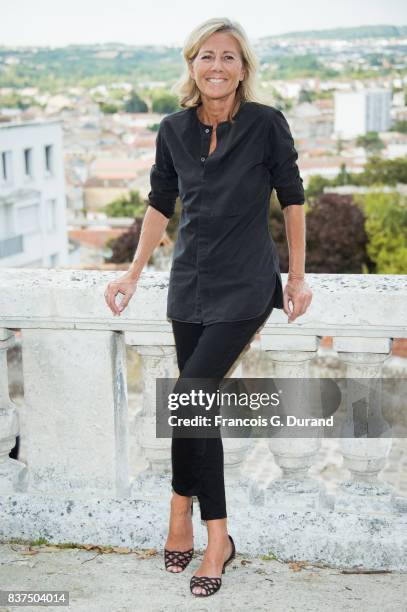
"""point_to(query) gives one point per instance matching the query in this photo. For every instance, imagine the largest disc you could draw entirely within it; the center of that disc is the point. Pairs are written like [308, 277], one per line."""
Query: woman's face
[218, 67]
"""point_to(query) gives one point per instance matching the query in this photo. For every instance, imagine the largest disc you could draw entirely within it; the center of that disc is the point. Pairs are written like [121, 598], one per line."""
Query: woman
[222, 154]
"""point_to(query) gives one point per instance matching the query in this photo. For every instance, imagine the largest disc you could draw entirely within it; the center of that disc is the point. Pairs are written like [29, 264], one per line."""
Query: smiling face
[218, 66]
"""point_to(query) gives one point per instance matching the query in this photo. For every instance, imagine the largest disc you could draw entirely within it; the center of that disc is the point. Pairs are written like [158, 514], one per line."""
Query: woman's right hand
[126, 285]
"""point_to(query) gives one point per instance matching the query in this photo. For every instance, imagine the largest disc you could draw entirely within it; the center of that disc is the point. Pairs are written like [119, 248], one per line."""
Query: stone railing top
[343, 304]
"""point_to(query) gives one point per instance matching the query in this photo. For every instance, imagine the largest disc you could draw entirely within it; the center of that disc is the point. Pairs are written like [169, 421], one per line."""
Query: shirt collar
[193, 110]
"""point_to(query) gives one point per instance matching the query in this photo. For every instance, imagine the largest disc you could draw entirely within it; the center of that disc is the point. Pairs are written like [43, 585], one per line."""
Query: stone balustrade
[75, 481]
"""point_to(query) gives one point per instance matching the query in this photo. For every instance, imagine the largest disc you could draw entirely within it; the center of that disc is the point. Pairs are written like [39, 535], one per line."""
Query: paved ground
[137, 581]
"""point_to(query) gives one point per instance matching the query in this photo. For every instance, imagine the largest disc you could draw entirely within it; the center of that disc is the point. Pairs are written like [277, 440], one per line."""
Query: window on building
[28, 219]
[49, 159]
[51, 213]
[6, 166]
[28, 162]
[6, 221]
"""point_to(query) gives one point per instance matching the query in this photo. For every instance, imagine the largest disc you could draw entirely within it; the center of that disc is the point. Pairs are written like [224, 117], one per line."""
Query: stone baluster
[235, 449]
[364, 456]
[156, 362]
[13, 473]
[75, 411]
[291, 355]
[157, 353]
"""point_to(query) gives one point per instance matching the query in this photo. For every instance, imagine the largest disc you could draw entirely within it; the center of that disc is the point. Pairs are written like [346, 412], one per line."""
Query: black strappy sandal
[211, 585]
[177, 557]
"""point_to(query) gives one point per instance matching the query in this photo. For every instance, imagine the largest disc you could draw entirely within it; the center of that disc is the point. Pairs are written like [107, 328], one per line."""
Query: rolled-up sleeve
[163, 178]
[281, 160]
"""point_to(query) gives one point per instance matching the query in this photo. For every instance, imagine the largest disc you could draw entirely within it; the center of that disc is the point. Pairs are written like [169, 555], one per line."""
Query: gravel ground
[137, 581]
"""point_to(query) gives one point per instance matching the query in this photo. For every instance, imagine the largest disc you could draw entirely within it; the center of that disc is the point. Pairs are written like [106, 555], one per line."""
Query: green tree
[316, 185]
[165, 103]
[14, 100]
[135, 104]
[127, 206]
[384, 171]
[386, 227]
[339, 145]
[370, 141]
[399, 126]
[343, 178]
[306, 95]
[108, 108]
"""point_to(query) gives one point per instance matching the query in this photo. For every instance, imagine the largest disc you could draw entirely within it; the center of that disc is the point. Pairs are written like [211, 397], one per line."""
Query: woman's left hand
[300, 294]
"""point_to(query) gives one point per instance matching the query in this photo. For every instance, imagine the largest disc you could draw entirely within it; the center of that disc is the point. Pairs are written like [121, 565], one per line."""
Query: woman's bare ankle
[181, 503]
[217, 529]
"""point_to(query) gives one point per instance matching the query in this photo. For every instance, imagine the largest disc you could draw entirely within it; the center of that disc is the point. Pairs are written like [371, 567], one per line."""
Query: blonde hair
[186, 89]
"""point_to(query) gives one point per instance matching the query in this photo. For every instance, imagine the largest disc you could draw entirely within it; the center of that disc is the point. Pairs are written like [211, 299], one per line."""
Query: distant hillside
[88, 65]
[52, 69]
[374, 31]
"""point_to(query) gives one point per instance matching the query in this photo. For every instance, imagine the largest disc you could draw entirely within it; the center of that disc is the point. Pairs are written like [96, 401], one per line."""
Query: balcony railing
[75, 481]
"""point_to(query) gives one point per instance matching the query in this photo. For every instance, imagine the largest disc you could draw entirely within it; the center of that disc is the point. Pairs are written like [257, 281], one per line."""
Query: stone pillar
[291, 355]
[156, 362]
[364, 456]
[235, 449]
[75, 409]
[13, 473]
[157, 351]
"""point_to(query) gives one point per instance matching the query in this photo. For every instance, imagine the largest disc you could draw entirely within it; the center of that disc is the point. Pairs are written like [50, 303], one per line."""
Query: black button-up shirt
[225, 264]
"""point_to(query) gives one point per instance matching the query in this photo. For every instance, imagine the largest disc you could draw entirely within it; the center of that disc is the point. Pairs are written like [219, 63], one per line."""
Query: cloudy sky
[61, 22]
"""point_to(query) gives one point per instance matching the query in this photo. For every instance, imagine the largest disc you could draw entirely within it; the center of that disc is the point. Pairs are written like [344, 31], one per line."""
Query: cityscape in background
[78, 128]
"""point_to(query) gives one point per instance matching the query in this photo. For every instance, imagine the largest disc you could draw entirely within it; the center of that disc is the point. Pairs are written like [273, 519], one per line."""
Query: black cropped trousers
[207, 351]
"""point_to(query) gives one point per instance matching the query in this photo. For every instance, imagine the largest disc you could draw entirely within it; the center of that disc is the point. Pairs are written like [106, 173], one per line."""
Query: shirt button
[207, 130]
[202, 158]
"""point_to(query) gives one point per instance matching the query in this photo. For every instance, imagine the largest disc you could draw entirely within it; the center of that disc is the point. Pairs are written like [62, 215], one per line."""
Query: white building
[358, 112]
[33, 229]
